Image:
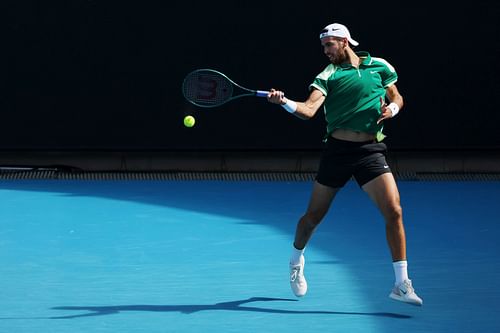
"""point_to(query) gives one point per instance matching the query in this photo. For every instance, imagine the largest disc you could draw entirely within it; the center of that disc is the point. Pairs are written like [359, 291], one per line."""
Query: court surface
[212, 256]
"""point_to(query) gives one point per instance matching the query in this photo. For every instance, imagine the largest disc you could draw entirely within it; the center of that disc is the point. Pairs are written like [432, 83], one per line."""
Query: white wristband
[290, 106]
[394, 108]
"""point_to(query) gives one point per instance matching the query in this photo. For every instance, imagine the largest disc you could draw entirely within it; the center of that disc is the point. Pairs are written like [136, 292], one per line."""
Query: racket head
[207, 88]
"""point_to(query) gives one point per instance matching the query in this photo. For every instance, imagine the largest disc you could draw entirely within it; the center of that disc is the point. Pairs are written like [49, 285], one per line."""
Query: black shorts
[342, 160]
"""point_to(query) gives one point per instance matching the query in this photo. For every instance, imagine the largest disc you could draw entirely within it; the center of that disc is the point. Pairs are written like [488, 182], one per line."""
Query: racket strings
[207, 88]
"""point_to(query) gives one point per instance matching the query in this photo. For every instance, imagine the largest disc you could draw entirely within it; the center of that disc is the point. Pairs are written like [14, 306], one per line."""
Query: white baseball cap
[337, 30]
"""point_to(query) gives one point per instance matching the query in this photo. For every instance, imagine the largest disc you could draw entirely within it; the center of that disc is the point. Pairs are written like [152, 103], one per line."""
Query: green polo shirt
[353, 94]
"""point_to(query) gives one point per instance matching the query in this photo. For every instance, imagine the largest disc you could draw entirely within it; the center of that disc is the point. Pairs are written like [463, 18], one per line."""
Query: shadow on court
[225, 306]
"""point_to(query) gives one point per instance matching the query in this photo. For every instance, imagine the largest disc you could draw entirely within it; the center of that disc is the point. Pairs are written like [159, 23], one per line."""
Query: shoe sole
[299, 295]
[401, 299]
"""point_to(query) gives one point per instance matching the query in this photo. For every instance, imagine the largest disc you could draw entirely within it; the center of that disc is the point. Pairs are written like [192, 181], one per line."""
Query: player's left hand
[386, 113]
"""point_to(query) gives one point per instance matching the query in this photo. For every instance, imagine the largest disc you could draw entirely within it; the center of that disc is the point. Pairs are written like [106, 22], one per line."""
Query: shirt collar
[366, 60]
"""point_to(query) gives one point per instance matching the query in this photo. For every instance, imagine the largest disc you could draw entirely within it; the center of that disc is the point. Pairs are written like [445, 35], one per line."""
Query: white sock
[296, 253]
[400, 271]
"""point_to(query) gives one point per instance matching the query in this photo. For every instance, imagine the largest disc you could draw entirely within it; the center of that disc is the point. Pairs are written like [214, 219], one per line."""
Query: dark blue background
[107, 74]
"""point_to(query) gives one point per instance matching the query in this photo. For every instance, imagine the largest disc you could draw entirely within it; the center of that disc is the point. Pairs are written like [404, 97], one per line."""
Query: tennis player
[352, 89]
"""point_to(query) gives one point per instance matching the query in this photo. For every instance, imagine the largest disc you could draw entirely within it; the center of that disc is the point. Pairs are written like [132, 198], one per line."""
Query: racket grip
[261, 93]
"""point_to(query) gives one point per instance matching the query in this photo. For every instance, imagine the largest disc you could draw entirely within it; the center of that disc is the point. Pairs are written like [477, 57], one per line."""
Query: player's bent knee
[394, 214]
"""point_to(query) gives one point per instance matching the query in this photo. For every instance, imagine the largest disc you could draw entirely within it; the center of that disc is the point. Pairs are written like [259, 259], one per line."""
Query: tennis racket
[208, 88]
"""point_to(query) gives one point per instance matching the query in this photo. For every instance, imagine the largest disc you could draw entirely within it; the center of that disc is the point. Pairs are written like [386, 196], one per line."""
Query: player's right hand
[276, 97]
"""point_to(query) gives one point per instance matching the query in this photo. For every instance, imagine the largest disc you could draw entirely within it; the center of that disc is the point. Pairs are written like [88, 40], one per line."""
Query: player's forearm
[304, 111]
[398, 99]
[394, 96]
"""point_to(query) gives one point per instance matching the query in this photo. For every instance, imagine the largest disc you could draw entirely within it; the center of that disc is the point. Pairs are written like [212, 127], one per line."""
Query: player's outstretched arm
[303, 110]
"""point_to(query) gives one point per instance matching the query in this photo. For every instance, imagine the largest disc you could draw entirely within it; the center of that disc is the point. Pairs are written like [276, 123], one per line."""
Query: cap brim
[353, 42]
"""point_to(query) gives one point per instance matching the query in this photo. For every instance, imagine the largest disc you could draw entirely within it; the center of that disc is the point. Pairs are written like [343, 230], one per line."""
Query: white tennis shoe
[404, 292]
[297, 280]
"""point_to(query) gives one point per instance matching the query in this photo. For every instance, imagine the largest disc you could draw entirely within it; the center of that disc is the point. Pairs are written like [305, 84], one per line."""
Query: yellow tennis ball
[189, 121]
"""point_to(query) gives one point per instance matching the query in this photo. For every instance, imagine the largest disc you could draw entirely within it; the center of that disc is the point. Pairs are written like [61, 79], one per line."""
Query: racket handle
[261, 93]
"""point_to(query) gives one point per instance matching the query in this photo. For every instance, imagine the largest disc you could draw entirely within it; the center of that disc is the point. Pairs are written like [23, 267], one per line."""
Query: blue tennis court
[192, 256]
